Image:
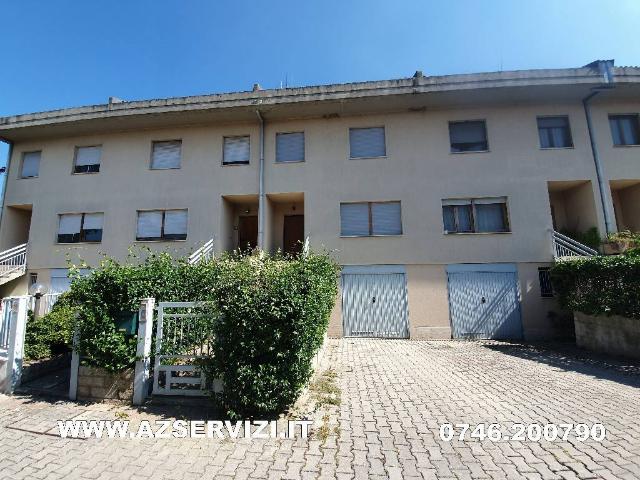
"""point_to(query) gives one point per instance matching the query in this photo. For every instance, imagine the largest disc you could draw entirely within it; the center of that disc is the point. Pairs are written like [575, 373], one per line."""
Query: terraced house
[443, 197]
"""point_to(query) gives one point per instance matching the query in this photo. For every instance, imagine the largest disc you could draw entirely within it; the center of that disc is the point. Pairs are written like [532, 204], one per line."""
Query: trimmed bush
[599, 285]
[269, 315]
[50, 334]
[274, 316]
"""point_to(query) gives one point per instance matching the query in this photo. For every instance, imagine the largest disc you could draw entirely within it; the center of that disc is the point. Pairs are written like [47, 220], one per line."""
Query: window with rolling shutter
[30, 164]
[475, 215]
[468, 136]
[365, 219]
[87, 159]
[80, 227]
[162, 225]
[236, 150]
[166, 155]
[290, 147]
[367, 142]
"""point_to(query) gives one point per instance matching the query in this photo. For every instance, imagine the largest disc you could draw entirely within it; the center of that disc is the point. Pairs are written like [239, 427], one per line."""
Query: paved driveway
[394, 396]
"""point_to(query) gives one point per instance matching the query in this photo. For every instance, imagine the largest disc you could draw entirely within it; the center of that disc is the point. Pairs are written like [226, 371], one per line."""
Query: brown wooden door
[293, 234]
[247, 232]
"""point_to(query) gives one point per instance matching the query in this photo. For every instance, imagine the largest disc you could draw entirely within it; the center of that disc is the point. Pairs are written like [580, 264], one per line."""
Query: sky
[66, 53]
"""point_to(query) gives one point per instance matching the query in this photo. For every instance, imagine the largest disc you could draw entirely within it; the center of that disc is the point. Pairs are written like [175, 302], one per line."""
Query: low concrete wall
[99, 384]
[615, 335]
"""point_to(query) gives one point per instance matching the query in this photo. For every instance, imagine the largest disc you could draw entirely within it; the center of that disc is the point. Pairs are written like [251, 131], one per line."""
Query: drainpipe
[261, 195]
[6, 176]
[609, 218]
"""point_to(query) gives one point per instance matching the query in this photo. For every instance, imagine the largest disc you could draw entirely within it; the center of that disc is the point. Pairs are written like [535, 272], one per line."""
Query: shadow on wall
[567, 356]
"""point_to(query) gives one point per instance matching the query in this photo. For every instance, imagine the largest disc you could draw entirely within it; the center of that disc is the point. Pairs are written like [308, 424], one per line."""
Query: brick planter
[99, 384]
[615, 335]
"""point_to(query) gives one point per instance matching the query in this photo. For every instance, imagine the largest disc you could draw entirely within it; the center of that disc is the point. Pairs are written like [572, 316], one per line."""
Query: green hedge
[274, 315]
[50, 334]
[271, 316]
[603, 285]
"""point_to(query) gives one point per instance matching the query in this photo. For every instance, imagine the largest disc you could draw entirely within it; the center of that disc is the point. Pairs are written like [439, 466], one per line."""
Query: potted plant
[620, 242]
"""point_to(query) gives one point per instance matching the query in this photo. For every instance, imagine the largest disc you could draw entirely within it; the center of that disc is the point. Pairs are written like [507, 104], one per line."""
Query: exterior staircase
[565, 248]
[13, 263]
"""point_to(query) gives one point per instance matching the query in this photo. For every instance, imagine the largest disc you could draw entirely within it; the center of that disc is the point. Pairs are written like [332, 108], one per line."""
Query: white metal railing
[564, 246]
[47, 302]
[205, 252]
[13, 260]
[5, 323]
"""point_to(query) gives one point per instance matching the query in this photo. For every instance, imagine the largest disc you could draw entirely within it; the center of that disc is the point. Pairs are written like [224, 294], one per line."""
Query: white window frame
[80, 233]
[368, 127]
[473, 202]
[153, 146]
[162, 237]
[75, 159]
[23, 155]
[371, 226]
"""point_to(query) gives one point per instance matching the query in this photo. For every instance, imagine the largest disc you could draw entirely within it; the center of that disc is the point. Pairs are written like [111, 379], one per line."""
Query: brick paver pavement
[395, 395]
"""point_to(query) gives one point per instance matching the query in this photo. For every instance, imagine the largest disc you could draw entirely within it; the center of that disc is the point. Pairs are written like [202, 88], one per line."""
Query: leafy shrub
[50, 334]
[274, 315]
[115, 287]
[603, 285]
[271, 316]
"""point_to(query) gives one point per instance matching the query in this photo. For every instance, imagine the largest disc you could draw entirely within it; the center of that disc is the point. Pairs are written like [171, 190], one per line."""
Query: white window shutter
[69, 224]
[175, 222]
[290, 147]
[30, 164]
[88, 156]
[166, 155]
[354, 219]
[367, 142]
[386, 218]
[236, 149]
[149, 224]
[93, 221]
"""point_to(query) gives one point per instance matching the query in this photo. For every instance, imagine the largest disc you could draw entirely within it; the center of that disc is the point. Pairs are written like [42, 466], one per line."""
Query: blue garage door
[374, 302]
[484, 301]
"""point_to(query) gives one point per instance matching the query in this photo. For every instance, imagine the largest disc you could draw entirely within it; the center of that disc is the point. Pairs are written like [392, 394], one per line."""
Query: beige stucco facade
[418, 170]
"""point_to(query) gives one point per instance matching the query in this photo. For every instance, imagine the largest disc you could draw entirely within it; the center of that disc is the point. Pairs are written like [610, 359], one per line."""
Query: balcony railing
[205, 252]
[13, 263]
[565, 247]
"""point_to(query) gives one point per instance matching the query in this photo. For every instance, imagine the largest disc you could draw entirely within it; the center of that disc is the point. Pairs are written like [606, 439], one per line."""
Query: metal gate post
[143, 352]
[19, 308]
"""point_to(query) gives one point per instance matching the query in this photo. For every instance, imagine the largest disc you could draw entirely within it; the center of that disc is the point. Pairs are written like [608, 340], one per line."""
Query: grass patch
[324, 390]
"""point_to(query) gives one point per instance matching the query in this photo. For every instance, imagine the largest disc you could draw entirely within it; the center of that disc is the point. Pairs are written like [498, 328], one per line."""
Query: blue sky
[75, 52]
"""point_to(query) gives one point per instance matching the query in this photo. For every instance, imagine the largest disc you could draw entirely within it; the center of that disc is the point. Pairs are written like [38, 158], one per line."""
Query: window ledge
[27, 178]
[470, 151]
[627, 146]
[78, 243]
[164, 240]
[557, 148]
[85, 173]
[235, 164]
[476, 233]
[288, 163]
[371, 236]
[367, 158]
[162, 169]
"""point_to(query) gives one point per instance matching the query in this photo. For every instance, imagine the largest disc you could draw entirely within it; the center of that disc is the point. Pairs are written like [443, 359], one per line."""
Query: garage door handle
[373, 300]
[483, 300]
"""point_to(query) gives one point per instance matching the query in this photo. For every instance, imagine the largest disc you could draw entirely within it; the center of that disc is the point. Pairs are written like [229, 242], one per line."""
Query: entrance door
[374, 304]
[484, 302]
[293, 234]
[247, 232]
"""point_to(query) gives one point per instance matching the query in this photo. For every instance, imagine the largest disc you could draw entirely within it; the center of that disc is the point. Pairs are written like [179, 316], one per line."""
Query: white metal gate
[484, 301]
[183, 335]
[374, 302]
